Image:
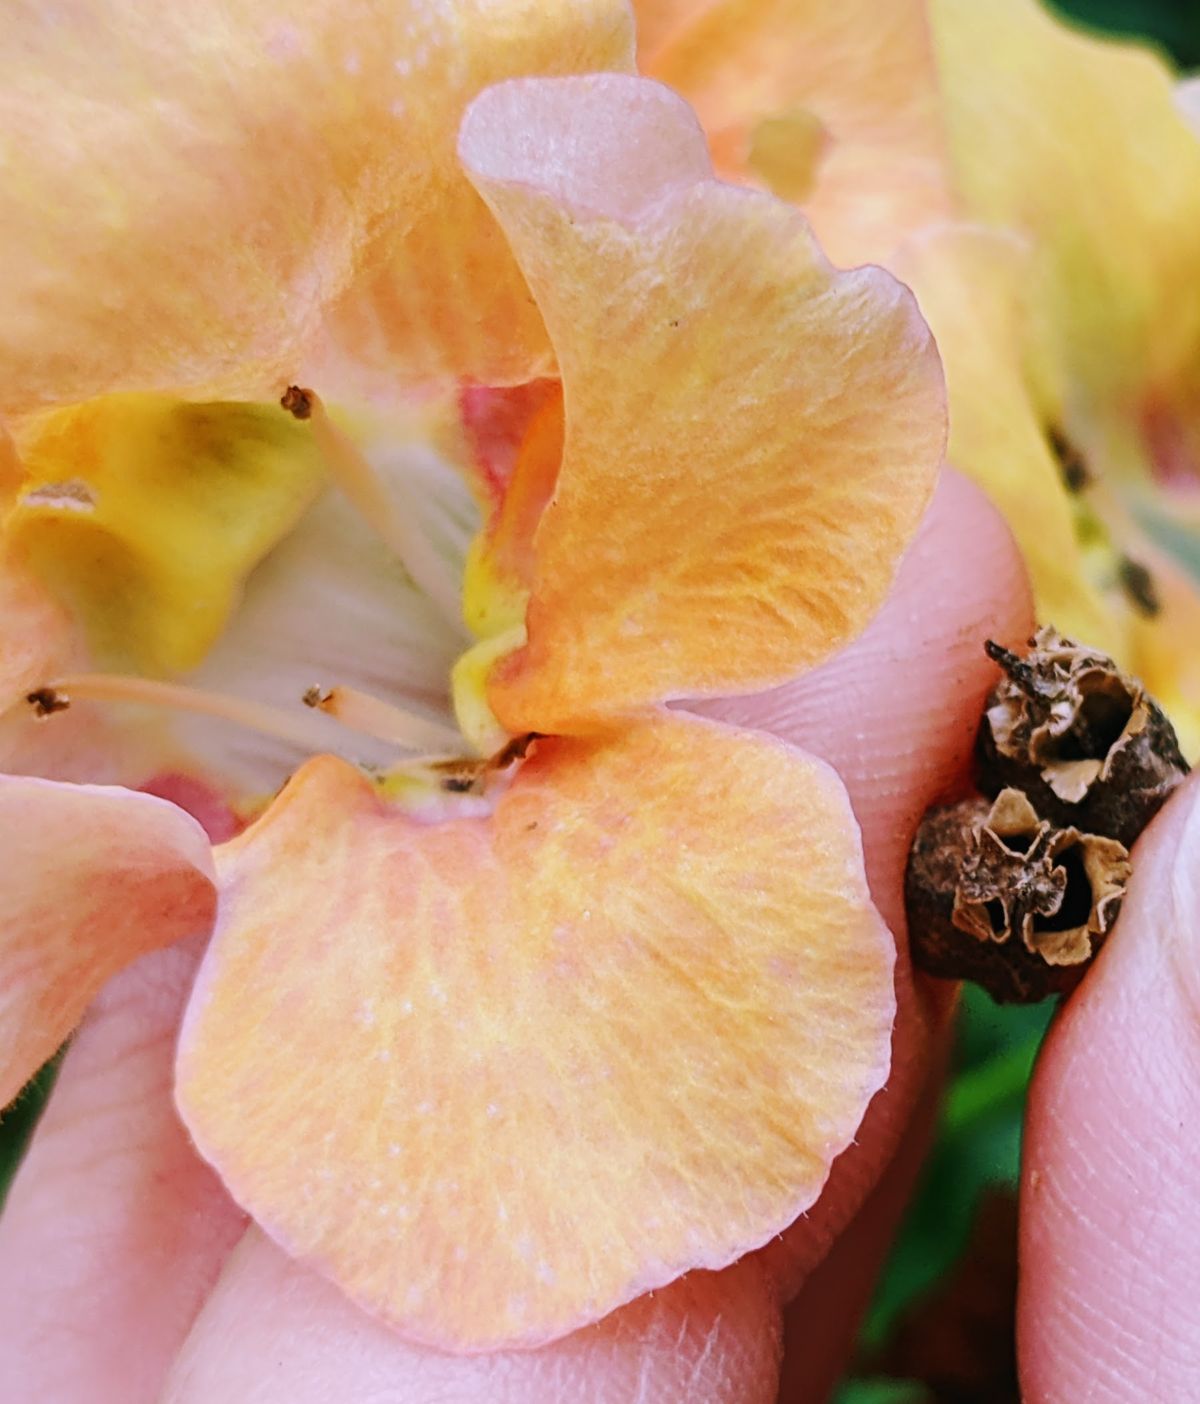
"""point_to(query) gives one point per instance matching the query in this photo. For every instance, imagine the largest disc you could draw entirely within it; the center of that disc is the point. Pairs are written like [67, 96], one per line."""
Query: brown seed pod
[998, 895]
[1083, 740]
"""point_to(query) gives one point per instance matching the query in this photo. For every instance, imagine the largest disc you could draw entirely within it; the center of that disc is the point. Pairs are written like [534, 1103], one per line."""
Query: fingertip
[275, 1331]
[1109, 1300]
[114, 1229]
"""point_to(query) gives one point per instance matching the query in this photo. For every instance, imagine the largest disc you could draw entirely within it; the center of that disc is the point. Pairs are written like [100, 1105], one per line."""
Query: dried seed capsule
[998, 895]
[1081, 738]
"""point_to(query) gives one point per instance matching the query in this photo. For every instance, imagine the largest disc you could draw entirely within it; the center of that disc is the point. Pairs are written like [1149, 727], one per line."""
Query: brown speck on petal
[998, 895]
[1139, 587]
[1082, 739]
[1071, 463]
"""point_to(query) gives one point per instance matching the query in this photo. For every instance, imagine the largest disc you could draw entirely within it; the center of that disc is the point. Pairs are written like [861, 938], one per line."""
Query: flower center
[423, 746]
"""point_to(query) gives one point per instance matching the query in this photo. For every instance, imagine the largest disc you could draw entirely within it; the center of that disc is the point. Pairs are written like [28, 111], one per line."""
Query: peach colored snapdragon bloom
[1039, 189]
[561, 992]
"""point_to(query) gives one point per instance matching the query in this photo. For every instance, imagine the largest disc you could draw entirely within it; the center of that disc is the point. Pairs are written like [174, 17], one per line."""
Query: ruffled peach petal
[499, 1074]
[38, 641]
[1079, 141]
[974, 289]
[863, 73]
[36, 635]
[495, 423]
[93, 878]
[501, 568]
[751, 436]
[187, 194]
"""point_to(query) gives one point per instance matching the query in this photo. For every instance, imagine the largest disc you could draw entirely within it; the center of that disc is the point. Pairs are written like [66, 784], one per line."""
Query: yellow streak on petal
[93, 878]
[146, 514]
[617, 1029]
[751, 437]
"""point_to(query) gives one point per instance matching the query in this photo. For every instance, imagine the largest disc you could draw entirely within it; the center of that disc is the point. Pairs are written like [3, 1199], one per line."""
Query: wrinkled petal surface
[93, 878]
[188, 190]
[751, 437]
[1079, 142]
[553, 1056]
[862, 71]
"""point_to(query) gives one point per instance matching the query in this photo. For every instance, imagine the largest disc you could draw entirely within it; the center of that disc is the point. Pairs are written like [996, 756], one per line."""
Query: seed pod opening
[1083, 740]
[998, 895]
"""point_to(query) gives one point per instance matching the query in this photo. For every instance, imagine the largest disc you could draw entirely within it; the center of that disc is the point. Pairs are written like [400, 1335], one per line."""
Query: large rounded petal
[93, 878]
[498, 1075]
[834, 106]
[751, 437]
[187, 191]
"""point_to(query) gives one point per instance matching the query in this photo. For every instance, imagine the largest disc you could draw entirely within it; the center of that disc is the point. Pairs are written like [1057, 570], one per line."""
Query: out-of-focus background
[940, 1328]
[1172, 24]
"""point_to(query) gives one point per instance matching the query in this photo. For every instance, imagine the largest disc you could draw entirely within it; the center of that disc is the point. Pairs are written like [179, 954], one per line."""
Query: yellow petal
[186, 195]
[861, 70]
[1079, 142]
[1163, 647]
[93, 878]
[1187, 99]
[146, 514]
[973, 287]
[497, 1075]
[751, 437]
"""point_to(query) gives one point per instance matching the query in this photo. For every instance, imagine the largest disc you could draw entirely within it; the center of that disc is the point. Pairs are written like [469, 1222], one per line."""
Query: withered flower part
[998, 895]
[1083, 740]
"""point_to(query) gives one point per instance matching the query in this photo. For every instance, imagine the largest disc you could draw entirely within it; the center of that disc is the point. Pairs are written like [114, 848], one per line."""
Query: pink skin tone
[127, 1277]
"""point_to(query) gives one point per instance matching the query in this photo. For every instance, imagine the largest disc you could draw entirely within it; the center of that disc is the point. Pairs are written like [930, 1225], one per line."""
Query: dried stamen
[375, 501]
[383, 720]
[112, 687]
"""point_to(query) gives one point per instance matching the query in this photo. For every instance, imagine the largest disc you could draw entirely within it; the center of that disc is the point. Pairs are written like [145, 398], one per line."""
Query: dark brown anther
[1138, 585]
[314, 696]
[45, 701]
[998, 895]
[297, 402]
[1083, 740]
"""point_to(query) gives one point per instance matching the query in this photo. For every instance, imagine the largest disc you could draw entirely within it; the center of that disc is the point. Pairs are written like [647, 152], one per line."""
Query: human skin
[127, 1275]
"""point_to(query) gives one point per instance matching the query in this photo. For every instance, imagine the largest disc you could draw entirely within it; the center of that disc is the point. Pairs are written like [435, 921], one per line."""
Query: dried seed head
[1081, 738]
[998, 895]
